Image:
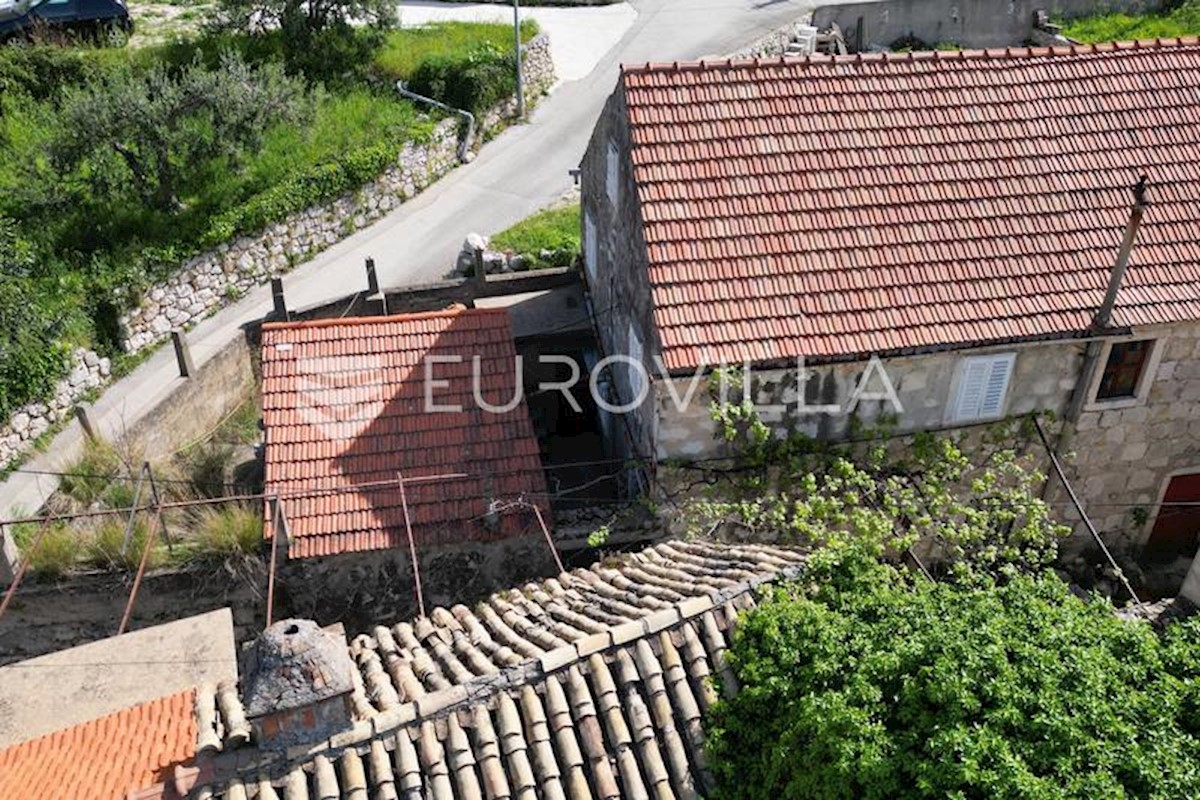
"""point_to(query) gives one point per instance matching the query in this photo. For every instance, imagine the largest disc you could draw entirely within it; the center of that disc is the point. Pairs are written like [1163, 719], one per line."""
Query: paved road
[520, 171]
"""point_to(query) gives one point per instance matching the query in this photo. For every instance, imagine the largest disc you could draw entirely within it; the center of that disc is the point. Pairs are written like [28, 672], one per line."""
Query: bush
[1181, 19]
[104, 547]
[56, 553]
[88, 479]
[208, 467]
[235, 530]
[151, 132]
[474, 81]
[869, 686]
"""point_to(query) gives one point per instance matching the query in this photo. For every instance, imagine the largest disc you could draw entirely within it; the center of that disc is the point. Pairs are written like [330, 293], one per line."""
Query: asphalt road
[520, 171]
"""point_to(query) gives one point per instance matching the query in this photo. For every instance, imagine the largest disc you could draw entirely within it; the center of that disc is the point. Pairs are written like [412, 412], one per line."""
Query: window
[612, 176]
[590, 249]
[983, 385]
[1123, 370]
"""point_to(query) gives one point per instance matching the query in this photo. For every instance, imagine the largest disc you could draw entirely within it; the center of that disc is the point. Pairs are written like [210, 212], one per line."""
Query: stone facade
[1124, 452]
[615, 268]
[88, 371]
[211, 280]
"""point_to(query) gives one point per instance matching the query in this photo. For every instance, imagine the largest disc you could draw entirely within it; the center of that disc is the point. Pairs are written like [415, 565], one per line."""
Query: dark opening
[1123, 372]
[292, 630]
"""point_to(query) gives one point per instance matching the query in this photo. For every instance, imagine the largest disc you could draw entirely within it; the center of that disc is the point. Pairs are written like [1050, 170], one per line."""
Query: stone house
[896, 237]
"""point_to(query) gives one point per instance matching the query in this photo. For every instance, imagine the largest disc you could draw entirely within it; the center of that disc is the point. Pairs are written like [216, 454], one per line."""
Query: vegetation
[549, 238]
[232, 530]
[1176, 19]
[118, 164]
[865, 682]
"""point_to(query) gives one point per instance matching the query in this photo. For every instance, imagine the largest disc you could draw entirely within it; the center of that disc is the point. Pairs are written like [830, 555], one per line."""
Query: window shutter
[591, 248]
[996, 387]
[612, 178]
[983, 387]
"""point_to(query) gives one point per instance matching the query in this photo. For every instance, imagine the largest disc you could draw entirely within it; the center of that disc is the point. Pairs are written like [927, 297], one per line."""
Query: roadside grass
[553, 231]
[232, 530]
[405, 49]
[1181, 20]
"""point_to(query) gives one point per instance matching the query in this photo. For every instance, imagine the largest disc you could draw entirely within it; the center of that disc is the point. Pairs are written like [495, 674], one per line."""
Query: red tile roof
[837, 206]
[106, 758]
[343, 407]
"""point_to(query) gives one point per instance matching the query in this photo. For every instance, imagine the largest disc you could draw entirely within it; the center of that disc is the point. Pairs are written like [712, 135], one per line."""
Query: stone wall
[1124, 452]
[213, 279]
[968, 23]
[88, 371]
[1043, 378]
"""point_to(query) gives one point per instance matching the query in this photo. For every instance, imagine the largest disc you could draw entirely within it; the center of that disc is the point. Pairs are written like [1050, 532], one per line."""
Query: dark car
[93, 18]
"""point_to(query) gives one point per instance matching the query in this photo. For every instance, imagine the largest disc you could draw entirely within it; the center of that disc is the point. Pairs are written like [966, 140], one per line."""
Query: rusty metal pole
[412, 545]
[137, 579]
[549, 540]
[277, 513]
[23, 567]
[137, 495]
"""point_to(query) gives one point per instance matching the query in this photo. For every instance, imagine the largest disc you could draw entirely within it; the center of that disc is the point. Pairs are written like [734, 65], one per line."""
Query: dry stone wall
[88, 371]
[213, 279]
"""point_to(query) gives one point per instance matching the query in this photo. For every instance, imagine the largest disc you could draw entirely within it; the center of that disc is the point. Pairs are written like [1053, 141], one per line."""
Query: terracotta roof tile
[835, 206]
[343, 406]
[591, 684]
[106, 758]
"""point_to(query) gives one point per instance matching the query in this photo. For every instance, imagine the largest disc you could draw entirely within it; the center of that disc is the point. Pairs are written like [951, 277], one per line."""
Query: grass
[406, 48]
[235, 530]
[553, 229]
[85, 480]
[1182, 20]
[57, 552]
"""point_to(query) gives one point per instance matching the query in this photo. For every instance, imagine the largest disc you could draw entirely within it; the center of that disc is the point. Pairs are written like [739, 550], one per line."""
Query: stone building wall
[213, 279]
[1043, 378]
[616, 271]
[1123, 453]
[88, 371]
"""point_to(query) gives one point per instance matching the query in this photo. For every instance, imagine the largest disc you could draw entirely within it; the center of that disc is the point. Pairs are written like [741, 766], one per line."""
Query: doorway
[1177, 526]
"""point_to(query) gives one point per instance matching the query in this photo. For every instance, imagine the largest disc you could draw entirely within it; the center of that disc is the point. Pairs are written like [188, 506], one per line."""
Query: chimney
[1103, 317]
[296, 684]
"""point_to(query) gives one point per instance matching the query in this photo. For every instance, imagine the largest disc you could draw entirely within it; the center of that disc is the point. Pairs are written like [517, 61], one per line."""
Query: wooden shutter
[983, 387]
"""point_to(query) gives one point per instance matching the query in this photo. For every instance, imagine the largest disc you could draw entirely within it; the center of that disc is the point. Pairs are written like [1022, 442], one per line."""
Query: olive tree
[151, 131]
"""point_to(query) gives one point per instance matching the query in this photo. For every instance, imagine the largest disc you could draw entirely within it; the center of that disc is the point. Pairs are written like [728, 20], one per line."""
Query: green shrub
[90, 476]
[406, 49]
[1181, 19]
[208, 467]
[475, 80]
[104, 546]
[57, 551]
[865, 684]
[231, 530]
[554, 229]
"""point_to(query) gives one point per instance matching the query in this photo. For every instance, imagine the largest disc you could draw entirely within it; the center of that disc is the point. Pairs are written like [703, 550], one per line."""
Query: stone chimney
[296, 684]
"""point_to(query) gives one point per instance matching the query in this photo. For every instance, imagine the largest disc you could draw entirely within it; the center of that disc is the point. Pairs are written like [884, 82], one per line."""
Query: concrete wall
[1043, 379]
[198, 404]
[618, 283]
[969, 23]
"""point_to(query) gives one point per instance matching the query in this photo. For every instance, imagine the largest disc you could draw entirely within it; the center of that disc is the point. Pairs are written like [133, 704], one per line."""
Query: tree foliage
[30, 358]
[976, 509]
[149, 130]
[865, 683]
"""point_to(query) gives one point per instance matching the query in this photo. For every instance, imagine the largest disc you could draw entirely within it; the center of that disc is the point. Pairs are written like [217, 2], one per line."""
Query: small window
[983, 387]
[612, 176]
[1123, 371]
[591, 248]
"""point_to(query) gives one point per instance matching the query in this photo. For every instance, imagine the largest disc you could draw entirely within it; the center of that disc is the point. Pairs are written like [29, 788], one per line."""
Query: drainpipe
[464, 147]
[1103, 318]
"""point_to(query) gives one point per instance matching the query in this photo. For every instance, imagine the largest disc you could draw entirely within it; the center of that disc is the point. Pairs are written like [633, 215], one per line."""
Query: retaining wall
[968, 23]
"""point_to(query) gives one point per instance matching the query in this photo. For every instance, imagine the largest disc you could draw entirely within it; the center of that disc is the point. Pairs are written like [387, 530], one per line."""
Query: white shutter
[613, 176]
[591, 248]
[983, 387]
